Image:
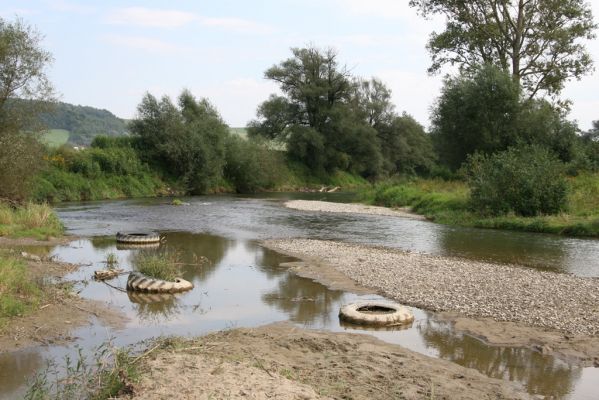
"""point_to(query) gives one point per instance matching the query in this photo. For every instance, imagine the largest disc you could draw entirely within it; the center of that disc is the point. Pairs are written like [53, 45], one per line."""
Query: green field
[241, 132]
[55, 137]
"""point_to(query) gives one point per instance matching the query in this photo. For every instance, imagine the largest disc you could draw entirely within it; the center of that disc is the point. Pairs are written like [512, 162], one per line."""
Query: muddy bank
[503, 305]
[285, 362]
[61, 311]
[325, 206]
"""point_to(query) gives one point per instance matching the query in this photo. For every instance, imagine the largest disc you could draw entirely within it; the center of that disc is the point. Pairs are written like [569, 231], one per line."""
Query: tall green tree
[538, 41]
[22, 77]
[485, 113]
[476, 113]
[186, 140]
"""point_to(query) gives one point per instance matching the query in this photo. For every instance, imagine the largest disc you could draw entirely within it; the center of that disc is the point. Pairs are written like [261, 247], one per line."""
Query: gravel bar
[476, 289]
[326, 206]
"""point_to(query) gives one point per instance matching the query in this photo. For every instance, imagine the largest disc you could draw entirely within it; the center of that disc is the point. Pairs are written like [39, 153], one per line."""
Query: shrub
[527, 181]
[250, 165]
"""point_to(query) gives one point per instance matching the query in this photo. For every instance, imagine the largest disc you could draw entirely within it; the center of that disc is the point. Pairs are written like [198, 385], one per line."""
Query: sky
[108, 54]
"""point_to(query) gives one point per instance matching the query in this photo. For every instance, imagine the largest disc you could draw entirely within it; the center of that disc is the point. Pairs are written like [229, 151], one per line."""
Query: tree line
[514, 58]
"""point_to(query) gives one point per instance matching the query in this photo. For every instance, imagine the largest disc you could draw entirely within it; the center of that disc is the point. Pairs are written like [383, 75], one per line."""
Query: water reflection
[505, 247]
[244, 285]
[17, 367]
[543, 374]
[259, 218]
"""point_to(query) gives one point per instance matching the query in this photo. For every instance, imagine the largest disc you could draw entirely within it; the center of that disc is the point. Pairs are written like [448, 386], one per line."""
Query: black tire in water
[137, 237]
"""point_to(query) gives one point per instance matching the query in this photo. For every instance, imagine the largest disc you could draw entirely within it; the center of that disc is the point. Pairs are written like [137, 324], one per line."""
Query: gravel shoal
[326, 206]
[476, 289]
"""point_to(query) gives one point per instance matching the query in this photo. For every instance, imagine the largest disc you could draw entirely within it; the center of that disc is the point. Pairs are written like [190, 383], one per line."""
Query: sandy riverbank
[325, 206]
[281, 361]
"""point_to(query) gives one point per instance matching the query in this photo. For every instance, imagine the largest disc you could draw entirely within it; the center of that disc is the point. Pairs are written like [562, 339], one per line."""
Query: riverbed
[244, 284]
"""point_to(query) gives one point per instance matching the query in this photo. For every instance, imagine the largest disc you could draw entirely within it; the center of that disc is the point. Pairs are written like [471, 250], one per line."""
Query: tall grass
[31, 220]
[164, 265]
[447, 202]
[19, 294]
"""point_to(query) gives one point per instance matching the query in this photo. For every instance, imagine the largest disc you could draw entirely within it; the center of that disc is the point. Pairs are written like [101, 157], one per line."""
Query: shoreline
[351, 208]
[282, 360]
[341, 265]
[48, 324]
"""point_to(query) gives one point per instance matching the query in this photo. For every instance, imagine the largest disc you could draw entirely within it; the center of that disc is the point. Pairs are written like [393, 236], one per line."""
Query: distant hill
[83, 123]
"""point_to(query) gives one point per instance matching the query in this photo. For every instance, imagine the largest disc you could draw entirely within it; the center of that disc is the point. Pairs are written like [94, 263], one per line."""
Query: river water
[243, 284]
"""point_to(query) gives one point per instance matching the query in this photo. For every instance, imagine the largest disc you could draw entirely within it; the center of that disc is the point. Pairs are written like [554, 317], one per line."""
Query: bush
[527, 181]
[250, 165]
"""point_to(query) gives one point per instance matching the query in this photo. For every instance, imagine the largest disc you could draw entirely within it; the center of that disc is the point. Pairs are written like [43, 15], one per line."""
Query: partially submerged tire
[140, 283]
[376, 313]
[137, 237]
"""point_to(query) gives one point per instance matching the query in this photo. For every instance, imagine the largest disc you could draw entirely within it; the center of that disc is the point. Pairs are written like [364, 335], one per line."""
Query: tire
[140, 283]
[375, 313]
[137, 237]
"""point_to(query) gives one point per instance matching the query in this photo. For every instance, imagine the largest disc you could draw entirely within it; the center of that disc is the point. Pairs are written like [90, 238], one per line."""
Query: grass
[447, 202]
[241, 132]
[31, 220]
[55, 137]
[164, 265]
[19, 294]
[110, 374]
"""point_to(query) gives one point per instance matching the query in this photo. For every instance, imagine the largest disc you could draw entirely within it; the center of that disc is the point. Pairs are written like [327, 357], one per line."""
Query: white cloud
[147, 44]
[159, 18]
[393, 9]
[68, 6]
[151, 17]
[236, 24]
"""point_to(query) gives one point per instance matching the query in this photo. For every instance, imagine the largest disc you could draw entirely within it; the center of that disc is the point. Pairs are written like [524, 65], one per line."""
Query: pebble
[476, 289]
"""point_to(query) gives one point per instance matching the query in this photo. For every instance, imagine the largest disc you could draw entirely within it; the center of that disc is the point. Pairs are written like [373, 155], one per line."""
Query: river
[243, 284]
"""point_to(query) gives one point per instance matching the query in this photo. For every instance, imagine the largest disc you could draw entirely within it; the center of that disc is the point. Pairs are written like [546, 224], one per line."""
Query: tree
[186, 140]
[537, 40]
[475, 114]
[22, 77]
[485, 113]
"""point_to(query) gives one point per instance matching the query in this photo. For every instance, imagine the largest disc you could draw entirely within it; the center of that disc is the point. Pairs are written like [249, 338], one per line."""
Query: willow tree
[24, 92]
[538, 41]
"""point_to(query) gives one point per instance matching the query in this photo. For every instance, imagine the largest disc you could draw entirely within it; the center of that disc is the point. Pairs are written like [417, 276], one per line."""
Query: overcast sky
[109, 53]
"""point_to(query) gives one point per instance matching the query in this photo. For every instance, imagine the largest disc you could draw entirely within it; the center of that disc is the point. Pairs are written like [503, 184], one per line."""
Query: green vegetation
[447, 202]
[83, 123]
[540, 42]
[110, 169]
[110, 374]
[526, 181]
[55, 137]
[330, 121]
[164, 265]
[31, 220]
[19, 294]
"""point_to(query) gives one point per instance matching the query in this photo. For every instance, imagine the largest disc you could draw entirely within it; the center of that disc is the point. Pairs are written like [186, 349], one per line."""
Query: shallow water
[243, 284]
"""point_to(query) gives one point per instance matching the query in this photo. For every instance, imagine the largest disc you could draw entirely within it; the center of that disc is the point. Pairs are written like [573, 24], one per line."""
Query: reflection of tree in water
[304, 300]
[540, 374]
[502, 246]
[192, 249]
[268, 261]
[16, 368]
[154, 307]
[103, 242]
